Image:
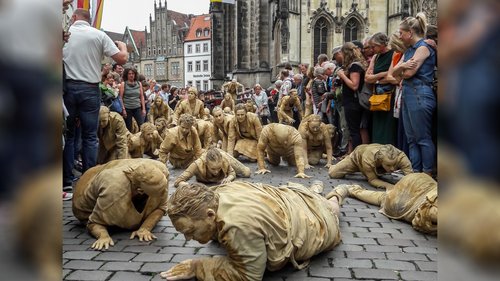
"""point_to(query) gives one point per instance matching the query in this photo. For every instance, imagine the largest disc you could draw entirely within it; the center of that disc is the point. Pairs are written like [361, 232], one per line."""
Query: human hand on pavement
[302, 176]
[262, 172]
[184, 270]
[143, 235]
[103, 243]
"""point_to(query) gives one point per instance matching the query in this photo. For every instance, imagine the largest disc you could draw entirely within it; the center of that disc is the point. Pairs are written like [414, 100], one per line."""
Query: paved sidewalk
[373, 246]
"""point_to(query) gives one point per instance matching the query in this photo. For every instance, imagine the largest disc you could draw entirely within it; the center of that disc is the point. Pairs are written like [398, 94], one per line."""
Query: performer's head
[192, 208]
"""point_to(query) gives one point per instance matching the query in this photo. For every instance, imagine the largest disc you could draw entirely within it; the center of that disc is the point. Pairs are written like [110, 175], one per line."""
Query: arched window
[206, 32]
[198, 32]
[352, 29]
[320, 37]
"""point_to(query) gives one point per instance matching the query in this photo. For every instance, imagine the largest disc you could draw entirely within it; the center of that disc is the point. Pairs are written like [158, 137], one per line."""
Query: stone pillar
[217, 42]
[285, 33]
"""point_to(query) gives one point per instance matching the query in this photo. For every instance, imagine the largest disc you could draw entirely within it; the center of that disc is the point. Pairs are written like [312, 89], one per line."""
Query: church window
[351, 30]
[320, 37]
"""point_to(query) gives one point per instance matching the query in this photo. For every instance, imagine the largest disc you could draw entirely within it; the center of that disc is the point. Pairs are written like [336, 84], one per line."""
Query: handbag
[364, 95]
[116, 105]
[381, 102]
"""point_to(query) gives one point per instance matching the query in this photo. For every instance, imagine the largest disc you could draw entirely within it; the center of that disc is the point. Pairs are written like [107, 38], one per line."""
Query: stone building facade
[161, 56]
[253, 38]
[197, 49]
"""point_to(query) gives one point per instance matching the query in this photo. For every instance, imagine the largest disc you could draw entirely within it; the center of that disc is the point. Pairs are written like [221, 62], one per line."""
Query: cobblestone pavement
[373, 246]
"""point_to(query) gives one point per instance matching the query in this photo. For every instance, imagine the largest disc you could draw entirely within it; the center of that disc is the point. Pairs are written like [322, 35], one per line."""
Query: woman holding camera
[353, 77]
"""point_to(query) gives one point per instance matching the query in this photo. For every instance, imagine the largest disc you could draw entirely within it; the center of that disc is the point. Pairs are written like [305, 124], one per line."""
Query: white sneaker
[67, 196]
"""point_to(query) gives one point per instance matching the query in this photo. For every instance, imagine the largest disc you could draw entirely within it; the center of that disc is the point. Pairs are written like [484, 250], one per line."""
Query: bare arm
[144, 232]
[416, 61]
[198, 151]
[101, 233]
[258, 127]
[372, 178]
[329, 148]
[231, 176]
[141, 93]
[246, 261]
[281, 111]
[186, 175]
[352, 81]
[390, 78]
[299, 160]
[122, 56]
[261, 151]
[299, 108]
[370, 77]
[404, 164]
[304, 151]
[165, 148]
[152, 219]
[231, 139]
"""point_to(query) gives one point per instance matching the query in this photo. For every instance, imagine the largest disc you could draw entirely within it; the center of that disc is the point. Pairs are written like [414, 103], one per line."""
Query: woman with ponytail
[352, 75]
[419, 101]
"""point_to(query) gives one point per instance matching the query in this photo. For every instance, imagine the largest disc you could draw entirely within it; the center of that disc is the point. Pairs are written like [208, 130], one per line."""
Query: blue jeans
[419, 105]
[135, 113]
[83, 102]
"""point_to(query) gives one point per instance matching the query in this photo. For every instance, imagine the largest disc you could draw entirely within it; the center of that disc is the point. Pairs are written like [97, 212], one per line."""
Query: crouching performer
[128, 193]
[113, 136]
[413, 199]
[316, 140]
[181, 145]
[259, 225]
[372, 160]
[280, 141]
[214, 166]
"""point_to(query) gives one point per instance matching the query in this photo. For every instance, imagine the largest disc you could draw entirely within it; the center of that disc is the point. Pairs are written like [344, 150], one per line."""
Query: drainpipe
[387, 19]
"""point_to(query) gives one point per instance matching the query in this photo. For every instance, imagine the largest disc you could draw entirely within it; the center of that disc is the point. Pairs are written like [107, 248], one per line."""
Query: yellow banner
[97, 8]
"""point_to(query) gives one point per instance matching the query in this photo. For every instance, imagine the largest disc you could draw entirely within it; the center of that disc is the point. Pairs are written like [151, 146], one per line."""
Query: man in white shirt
[82, 62]
[165, 92]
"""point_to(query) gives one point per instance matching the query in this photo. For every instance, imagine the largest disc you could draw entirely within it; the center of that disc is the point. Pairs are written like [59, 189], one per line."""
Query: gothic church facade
[253, 38]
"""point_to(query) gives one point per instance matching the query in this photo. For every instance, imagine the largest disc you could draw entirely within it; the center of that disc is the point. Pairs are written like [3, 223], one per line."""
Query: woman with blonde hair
[399, 48]
[419, 101]
[352, 75]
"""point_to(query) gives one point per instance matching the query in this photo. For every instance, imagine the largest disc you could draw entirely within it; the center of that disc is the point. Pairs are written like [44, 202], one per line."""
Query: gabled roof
[182, 20]
[136, 39]
[199, 23]
[139, 37]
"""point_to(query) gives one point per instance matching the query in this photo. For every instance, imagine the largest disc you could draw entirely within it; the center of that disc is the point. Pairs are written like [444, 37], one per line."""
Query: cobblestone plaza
[373, 246]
